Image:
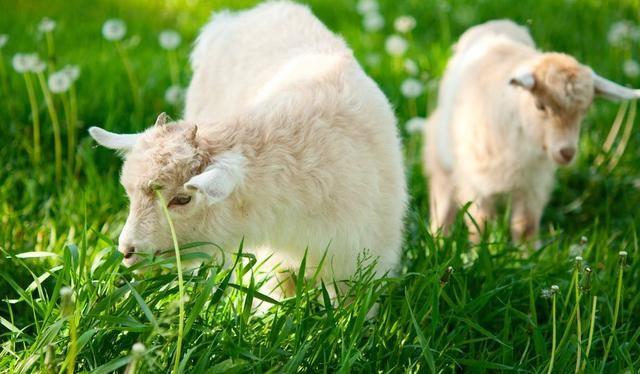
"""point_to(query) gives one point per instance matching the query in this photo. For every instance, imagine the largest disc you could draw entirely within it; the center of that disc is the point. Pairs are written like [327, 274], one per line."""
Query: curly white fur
[295, 148]
[507, 114]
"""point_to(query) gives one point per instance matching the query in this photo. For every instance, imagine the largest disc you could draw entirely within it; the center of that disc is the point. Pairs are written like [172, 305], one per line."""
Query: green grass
[488, 314]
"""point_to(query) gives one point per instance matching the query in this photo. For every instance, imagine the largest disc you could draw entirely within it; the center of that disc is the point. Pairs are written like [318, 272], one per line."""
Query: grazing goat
[285, 142]
[507, 115]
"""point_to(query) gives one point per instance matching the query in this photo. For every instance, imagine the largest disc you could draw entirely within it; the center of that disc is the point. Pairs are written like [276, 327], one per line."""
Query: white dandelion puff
[396, 45]
[4, 38]
[631, 68]
[169, 39]
[59, 82]
[373, 22]
[46, 25]
[25, 62]
[19, 63]
[415, 125]
[66, 292]
[174, 95]
[38, 66]
[411, 67]
[367, 6]
[411, 88]
[138, 349]
[72, 71]
[623, 31]
[555, 288]
[114, 29]
[404, 24]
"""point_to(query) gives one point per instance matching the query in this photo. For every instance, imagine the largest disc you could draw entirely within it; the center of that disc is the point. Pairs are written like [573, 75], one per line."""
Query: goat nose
[127, 251]
[568, 153]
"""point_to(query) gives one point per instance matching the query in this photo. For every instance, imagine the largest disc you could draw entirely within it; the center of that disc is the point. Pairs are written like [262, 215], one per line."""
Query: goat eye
[540, 105]
[180, 200]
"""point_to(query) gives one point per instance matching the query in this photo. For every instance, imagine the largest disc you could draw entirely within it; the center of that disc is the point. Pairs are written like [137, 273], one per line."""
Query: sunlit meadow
[68, 305]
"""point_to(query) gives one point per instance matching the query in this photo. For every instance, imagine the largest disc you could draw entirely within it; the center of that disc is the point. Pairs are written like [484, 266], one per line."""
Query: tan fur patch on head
[165, 156]
[563, 83]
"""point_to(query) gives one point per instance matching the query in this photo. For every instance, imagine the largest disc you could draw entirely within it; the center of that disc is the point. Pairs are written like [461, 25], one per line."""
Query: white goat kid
[507, 115]
[295, 148]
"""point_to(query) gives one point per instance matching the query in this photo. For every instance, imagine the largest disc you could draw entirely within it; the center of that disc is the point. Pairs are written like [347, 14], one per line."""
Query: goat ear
[119, 142]
[163, 119]
[221, 178]
[524, 79]
[613, 91]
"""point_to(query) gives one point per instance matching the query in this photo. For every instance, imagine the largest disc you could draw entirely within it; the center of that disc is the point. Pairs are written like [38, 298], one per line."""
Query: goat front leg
[441, 203]
[478, 213]
[526, 213]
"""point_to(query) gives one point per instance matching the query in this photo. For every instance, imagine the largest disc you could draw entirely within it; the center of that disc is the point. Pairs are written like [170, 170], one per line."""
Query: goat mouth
[558, 159]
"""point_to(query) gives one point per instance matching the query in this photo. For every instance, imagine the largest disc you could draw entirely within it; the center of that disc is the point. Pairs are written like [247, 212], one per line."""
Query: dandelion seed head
[411, 67]
[114, 29]
[411, 88]
[38, 66]
[622, 253]
[367, 6]
[415, 125]
[138, 349]
[72, 71]
[396, 45]
[555, 288]
[373, 22]
[174, 95]
[631, 68]
[169, 39]
[66, 292]
[404, 24]
[4, 38]
[25, 62]
[59, 82]
[46, 25]
[578, 258]
[623, 31]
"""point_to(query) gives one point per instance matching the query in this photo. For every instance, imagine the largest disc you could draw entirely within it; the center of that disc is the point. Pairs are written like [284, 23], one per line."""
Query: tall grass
[67, 303]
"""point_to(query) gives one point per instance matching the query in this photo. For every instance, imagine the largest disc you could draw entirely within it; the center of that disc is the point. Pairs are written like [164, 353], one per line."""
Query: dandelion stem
[578, 322]
[55, 123]
[133, 82]
[51, 51]
[176, 247]
[70, 134]
[5, 86]
[413, 108]
[553, 341]
[616, 310]
[592, 324]
[73, 126]
[35, 117]
[73, 337]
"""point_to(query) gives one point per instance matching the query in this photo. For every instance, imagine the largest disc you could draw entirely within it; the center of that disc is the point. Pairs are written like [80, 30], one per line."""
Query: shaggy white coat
[295, 148]
[507, 115]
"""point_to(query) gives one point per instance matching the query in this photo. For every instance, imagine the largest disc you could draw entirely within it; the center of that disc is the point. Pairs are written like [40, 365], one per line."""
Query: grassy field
[496, 310]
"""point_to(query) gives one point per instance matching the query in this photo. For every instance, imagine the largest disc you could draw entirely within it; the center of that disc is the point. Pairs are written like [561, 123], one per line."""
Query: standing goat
[507, 115]
[285, 142]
